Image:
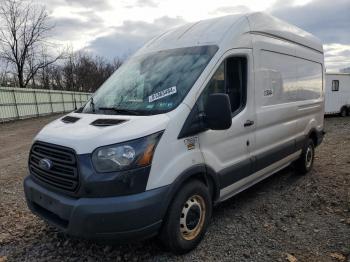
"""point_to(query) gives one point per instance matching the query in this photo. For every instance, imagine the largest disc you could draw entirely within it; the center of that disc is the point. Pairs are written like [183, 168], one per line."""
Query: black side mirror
[218, 112]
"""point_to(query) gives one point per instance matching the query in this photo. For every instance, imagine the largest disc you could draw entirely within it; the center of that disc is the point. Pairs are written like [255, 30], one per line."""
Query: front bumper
[131, 217]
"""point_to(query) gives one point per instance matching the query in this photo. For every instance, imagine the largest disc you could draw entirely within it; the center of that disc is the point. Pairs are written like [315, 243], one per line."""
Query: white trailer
[337, 95]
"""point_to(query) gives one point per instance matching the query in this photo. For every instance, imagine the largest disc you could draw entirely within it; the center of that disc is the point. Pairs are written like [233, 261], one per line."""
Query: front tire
[187, 219]
[306, 160]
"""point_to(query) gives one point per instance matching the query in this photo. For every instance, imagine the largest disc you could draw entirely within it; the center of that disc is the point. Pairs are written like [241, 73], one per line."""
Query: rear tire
[343, 112]
[187, 219]
[306, 160]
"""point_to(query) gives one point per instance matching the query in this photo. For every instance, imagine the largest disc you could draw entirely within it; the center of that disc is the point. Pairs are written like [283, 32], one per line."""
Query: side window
[215, 85]
[230, 78]
[335, 85]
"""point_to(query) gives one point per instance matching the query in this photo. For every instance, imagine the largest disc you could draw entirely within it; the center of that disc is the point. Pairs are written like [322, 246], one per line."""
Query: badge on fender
[191, 142]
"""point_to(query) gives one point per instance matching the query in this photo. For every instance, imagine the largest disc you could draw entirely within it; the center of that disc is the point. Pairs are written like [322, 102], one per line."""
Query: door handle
[249, 123]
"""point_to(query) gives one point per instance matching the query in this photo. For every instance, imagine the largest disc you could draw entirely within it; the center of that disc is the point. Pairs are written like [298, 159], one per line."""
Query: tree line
[29, 60]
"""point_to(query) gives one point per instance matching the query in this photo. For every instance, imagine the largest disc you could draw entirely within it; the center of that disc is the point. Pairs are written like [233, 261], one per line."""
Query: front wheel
[187, 219]
[306, 160]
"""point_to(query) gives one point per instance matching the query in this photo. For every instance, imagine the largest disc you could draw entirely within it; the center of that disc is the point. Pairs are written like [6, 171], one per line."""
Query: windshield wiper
[92, 103]
[120, 111]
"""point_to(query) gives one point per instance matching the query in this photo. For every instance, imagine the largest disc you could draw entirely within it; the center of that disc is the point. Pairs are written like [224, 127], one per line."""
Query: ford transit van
[197, 115]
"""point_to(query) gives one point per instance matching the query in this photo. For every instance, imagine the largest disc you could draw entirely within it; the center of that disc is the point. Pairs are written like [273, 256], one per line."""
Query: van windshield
[153, 83]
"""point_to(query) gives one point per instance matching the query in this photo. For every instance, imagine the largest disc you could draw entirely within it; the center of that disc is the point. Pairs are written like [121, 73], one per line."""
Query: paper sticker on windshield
[268, 92]
[162, 94]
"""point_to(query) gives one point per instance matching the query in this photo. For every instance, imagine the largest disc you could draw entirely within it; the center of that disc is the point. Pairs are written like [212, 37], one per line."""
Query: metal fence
[18, 103]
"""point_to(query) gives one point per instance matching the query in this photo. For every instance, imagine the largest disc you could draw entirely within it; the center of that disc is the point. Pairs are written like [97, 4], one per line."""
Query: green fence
[19, 103]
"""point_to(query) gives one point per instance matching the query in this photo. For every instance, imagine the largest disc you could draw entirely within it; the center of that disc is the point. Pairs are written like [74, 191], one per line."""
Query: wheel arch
[316, 136]
[345, 108]
[200, 172]
[313, 136]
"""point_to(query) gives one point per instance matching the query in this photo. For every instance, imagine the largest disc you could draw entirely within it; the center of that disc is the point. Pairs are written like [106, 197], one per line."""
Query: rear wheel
[306, 160]
[343, 112]
[187, 219]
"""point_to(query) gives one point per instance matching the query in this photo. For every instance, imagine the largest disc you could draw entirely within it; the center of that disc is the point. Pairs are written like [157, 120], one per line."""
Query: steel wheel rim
[192, 217]
[308, 157]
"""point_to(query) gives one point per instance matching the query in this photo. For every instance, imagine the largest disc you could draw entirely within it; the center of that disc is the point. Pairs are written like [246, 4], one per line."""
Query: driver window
[229, 78]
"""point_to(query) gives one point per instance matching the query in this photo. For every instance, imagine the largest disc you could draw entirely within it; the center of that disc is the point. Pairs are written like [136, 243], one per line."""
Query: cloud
[85, 22]
[225, 10]
[96, 5]
[92, 4]
[328, 20]
[143, 3]
[130, 36]
[73, 28]
[337, 56]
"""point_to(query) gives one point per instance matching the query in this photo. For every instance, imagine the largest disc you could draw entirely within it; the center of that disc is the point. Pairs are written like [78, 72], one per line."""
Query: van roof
[338, 73]
[216, 30]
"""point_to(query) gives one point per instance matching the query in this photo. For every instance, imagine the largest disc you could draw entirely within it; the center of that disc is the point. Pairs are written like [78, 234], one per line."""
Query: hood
[84, 137]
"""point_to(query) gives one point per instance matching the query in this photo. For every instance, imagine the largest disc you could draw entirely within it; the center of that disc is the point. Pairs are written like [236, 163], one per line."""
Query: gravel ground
[284, 218]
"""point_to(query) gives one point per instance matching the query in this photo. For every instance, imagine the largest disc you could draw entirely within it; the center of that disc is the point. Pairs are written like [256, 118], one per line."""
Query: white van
[197, 115]
[337, 94]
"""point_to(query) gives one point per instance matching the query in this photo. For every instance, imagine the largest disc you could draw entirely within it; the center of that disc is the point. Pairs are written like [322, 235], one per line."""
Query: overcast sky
[119, 27]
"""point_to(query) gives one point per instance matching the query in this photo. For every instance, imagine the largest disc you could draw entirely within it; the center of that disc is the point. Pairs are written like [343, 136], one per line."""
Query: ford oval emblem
[45, 164]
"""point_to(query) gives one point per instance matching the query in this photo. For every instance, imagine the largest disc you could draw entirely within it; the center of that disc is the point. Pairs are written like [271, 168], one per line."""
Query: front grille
[63, 173]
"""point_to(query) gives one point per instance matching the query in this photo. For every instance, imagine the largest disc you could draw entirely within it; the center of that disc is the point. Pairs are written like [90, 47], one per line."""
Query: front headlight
[127, 155]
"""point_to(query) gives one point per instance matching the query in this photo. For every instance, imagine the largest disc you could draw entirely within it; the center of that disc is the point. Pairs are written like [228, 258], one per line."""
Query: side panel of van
[289, 97]
[276, 95]
[287, 100]
[310, 83]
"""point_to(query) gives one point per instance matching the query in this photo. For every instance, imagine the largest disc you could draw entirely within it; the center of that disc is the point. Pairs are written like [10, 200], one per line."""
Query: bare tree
[3, 74]
[84, 72]
[24, 31]
[57, 77]
[68, 72]
[116, 63]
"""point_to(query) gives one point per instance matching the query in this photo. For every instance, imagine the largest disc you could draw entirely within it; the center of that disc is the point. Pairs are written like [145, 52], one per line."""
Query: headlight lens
[124, 156]
[121, 155]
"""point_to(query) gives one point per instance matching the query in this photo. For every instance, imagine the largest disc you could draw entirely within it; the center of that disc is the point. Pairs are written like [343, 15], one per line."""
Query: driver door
[228, 151]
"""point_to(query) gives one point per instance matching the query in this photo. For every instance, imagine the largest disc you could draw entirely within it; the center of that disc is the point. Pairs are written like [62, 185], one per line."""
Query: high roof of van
[338, 73]
[215, 31]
